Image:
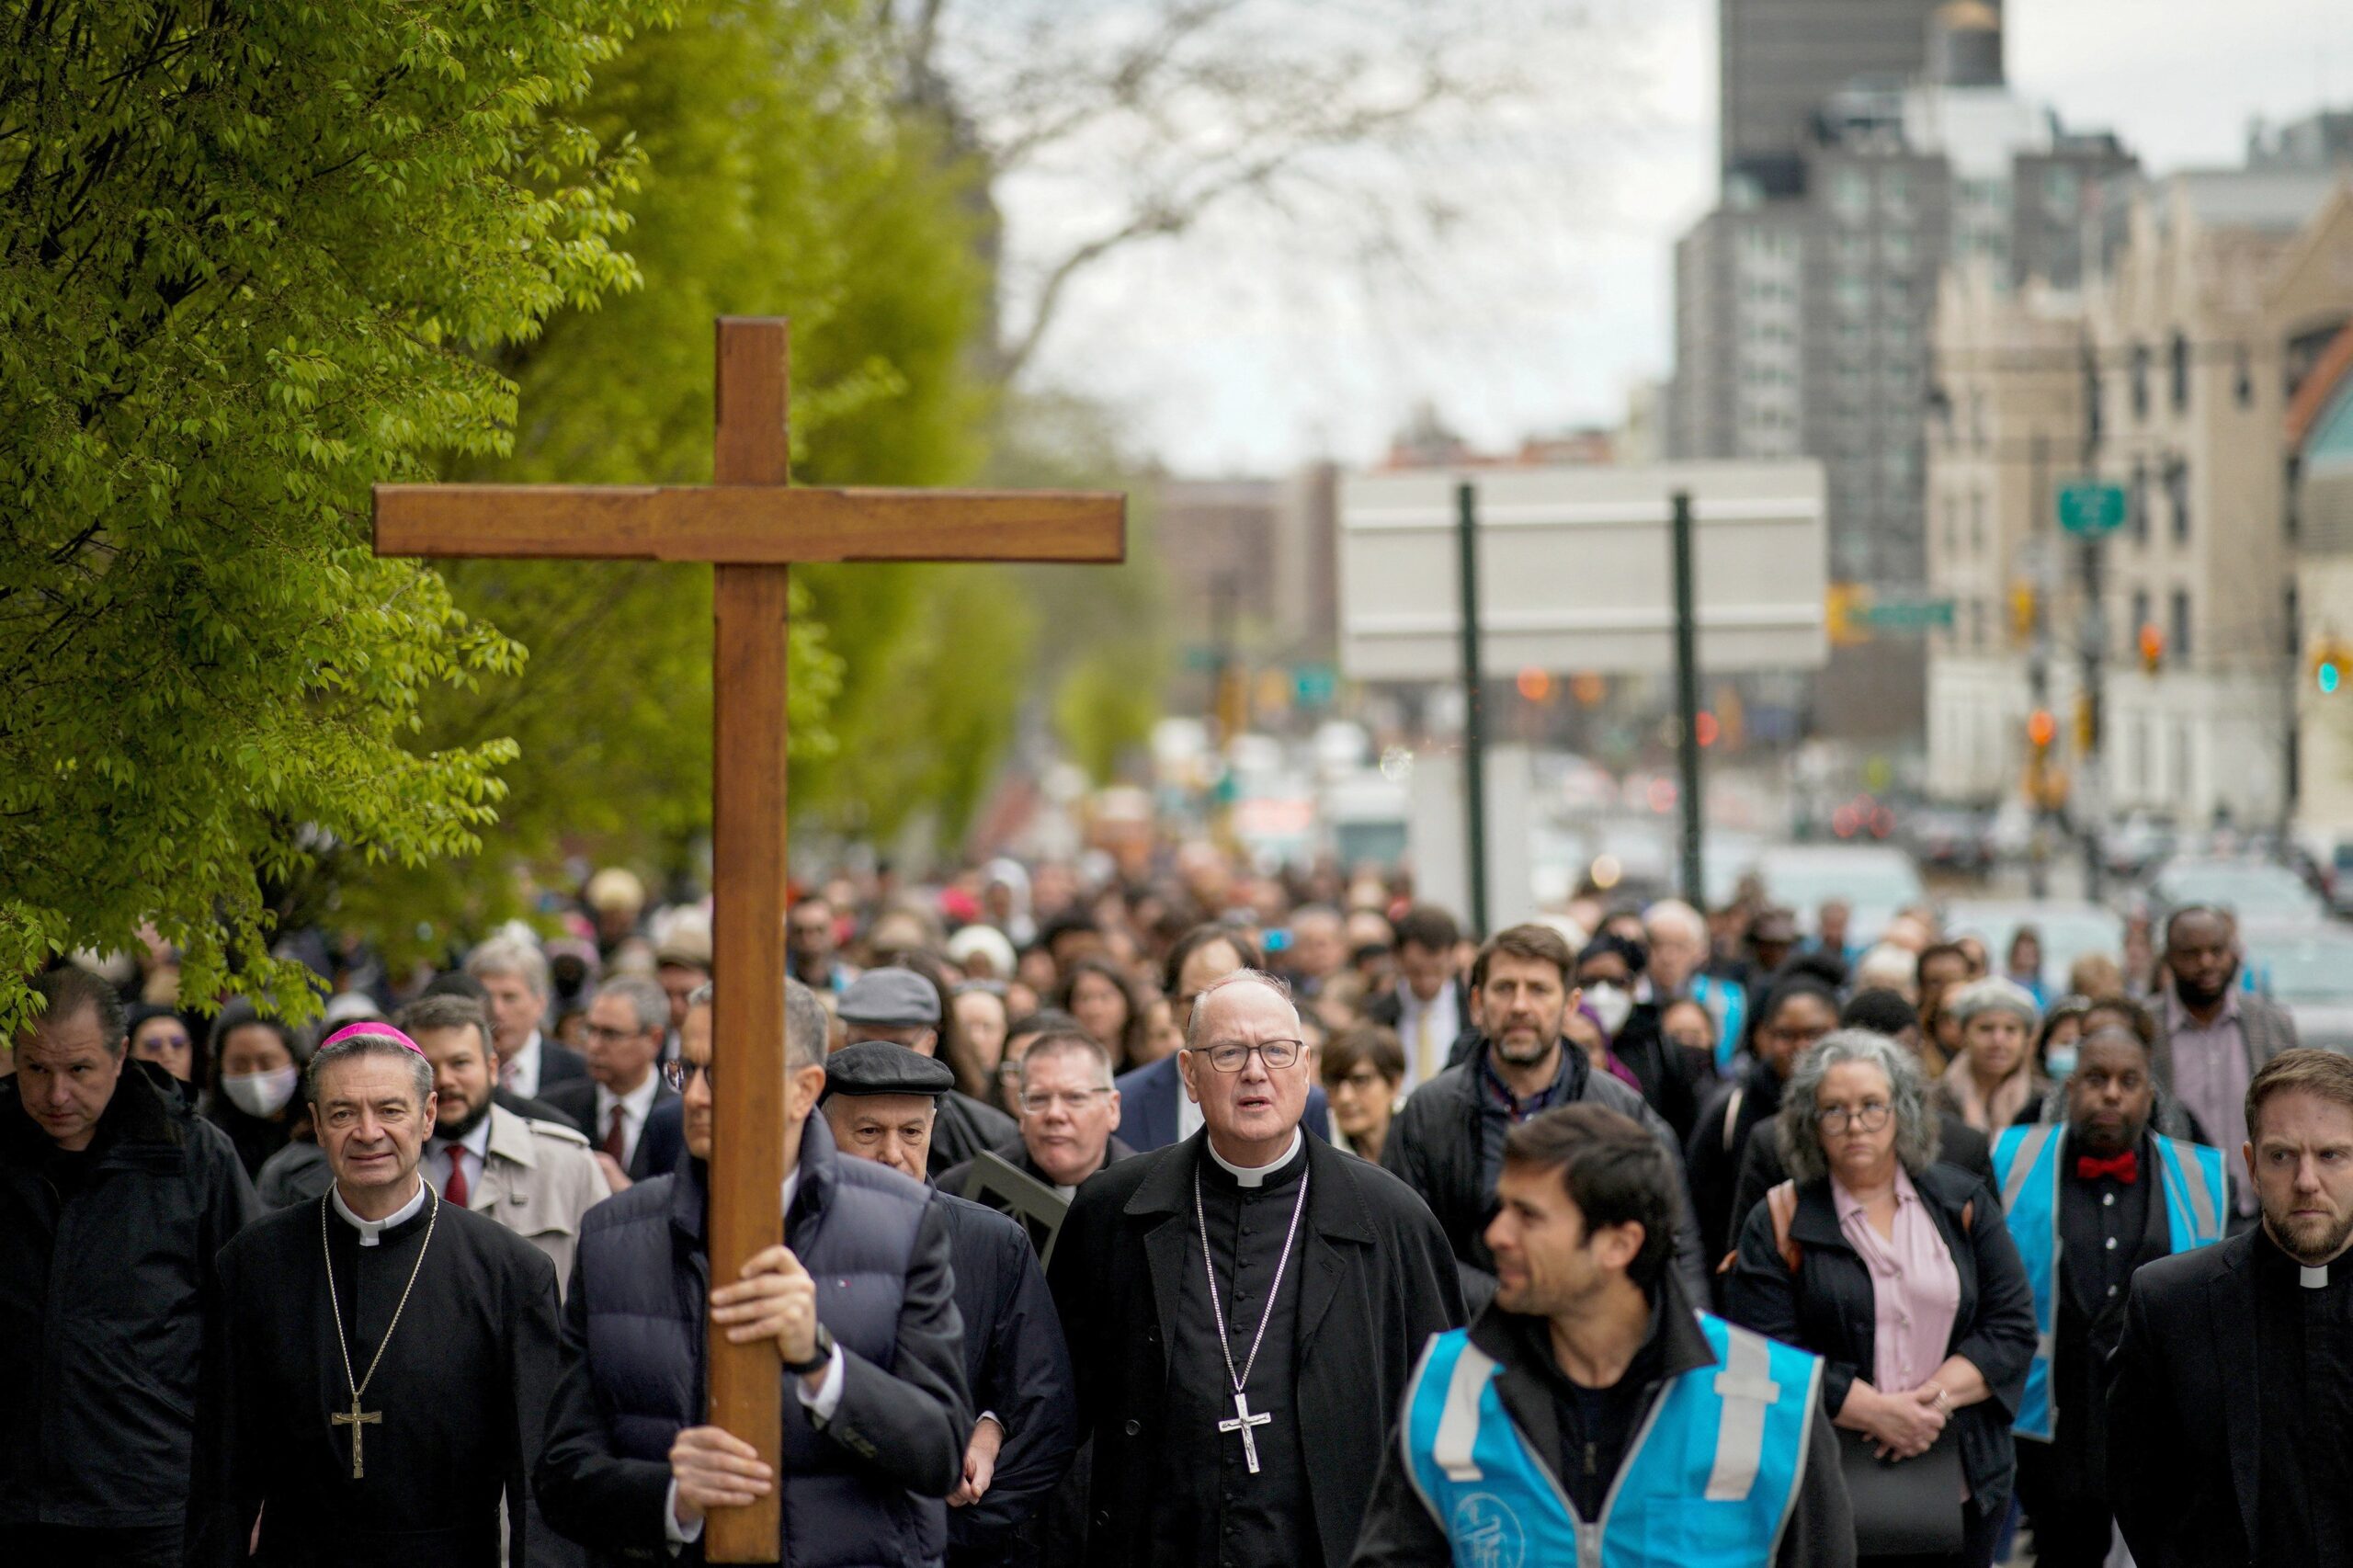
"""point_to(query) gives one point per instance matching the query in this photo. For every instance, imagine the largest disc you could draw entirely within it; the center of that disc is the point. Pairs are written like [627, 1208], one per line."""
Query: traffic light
[2022, 611]
[2042, 729]
[2153, 647]
[2331, 660]
[1843, 612]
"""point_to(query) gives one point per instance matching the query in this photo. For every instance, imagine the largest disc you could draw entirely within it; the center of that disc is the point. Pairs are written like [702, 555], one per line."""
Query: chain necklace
[357, 1418]
[1242, 1421]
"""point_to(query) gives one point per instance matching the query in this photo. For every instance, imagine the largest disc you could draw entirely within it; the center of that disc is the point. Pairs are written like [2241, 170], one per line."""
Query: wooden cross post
[750, 525]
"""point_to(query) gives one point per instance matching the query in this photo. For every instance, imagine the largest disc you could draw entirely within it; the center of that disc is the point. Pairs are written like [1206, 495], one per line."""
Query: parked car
[1875, 880]
[2252, 890]
[2310, 972]
[2140, 841]
[1952, 838]
[2069, 928]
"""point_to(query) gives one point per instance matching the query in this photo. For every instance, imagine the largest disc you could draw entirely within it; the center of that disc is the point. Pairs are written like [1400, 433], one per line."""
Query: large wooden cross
[750, 525]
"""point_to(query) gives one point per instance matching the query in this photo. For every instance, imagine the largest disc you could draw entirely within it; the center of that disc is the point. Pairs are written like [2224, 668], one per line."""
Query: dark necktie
[2125, 1167]
[455, 1191]
[617, 1137]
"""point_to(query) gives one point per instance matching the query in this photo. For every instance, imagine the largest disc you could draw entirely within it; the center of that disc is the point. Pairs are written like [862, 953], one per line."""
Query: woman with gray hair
[1995, 1077]
[1901, 1274]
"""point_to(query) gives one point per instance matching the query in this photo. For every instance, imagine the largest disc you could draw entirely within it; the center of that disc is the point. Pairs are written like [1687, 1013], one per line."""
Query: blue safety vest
[1710, 1481]
[1728, 1000]
[2026, 1166]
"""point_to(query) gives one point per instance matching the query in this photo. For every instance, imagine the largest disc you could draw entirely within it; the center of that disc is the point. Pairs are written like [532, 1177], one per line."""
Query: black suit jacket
[661, 1142]
[1387, 1011]
[2183, 1407]
[559, 1063]
[1376, 1279]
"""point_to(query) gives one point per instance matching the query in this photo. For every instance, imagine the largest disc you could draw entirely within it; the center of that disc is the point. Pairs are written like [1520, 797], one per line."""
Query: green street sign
[2092, 508]
[1907, 615]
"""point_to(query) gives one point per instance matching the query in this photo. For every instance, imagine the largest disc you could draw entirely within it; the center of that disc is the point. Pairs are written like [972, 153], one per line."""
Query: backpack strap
[1782, 1203]
[1732, 1114]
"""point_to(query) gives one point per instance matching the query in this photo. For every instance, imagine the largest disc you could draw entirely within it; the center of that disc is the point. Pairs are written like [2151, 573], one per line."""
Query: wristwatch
[821, 1353]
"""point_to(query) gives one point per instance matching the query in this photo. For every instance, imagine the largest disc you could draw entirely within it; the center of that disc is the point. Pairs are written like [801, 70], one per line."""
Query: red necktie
[2125, 1167]
[617, 1137]
[454, 1191]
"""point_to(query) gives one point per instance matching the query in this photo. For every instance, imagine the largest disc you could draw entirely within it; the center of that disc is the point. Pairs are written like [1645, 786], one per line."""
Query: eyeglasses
[164, 1042]
[1870, 1117]
[609, 1036]
[1229, 1056]
[1072, 1100]
[679, 1074]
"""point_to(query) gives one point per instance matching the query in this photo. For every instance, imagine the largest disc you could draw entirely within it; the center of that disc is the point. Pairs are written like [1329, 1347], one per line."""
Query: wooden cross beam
[750, 525]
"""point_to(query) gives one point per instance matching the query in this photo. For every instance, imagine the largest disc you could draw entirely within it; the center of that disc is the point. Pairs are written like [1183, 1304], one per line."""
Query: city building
[2181, 361]
[1803, 303]
[1778, 59]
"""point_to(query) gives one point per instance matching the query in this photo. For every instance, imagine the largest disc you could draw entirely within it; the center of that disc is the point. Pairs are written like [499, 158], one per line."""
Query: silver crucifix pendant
[1242, 1421]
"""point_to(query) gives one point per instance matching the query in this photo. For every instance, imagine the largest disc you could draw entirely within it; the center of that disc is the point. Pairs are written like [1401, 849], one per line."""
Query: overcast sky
[1225, 365]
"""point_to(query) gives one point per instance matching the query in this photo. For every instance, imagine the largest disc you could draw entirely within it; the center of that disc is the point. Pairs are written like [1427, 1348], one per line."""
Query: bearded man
[2230, 1404]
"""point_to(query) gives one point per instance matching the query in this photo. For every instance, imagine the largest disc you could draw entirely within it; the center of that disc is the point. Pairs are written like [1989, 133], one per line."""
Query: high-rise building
[2228, 290]
[1778, 59]
[1803, 301]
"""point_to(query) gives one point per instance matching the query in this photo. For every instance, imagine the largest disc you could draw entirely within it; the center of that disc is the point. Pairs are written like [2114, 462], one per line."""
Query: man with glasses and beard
[2230, 1402]
[1243, 1308]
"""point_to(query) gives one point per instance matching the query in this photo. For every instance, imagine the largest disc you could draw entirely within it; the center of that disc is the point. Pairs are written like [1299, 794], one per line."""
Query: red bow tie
[2125, 1167]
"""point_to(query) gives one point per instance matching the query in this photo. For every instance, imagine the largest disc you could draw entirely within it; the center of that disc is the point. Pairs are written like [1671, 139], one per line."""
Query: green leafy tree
[779, 180]
[244, 254]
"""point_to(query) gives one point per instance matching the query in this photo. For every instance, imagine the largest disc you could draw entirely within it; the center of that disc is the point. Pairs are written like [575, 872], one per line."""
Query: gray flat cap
[880, 1067]
[895, 998]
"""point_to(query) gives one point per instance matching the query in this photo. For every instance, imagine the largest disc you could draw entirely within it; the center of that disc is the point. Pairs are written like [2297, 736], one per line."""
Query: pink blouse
[1916, 1290]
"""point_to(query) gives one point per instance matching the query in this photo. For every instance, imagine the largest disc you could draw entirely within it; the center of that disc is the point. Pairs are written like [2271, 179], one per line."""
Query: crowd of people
[1207, 1219]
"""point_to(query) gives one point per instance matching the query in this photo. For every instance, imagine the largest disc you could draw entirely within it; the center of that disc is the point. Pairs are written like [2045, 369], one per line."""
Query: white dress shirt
[1445, 1022]
[473, 1148]
[635, 1106]
[520, 1073]
[820, 1406]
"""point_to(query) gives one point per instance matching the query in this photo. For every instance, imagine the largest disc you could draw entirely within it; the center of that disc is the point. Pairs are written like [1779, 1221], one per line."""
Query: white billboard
[1576, 571]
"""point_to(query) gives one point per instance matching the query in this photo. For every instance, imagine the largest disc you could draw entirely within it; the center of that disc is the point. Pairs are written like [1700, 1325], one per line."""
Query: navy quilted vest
[853, 1226]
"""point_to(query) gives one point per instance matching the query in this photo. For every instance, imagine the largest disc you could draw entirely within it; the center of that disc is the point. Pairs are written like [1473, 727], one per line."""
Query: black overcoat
[1376, 1278]
[2185, 1403]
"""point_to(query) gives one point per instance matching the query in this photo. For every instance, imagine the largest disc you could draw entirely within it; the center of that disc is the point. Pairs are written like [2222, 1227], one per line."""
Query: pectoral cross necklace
[359, 1420]
[1242, 1421]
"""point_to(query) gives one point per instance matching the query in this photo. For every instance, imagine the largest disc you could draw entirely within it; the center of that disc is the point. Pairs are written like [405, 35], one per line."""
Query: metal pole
[2089, 803]
[2037, 670]
[1687, 702]
[1474, 729]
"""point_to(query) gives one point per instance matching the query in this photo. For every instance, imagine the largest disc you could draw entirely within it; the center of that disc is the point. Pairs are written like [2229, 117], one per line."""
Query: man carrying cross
[1244, 1309]
[386, 1357]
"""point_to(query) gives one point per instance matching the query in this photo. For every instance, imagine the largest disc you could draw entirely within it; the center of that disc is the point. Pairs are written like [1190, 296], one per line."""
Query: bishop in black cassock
[451, 1419]
[1337, 1307]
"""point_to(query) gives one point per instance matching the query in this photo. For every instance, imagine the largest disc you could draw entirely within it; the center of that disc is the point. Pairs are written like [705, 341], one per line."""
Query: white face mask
[1611, 1004]
[262, 1093]
[2060, 1061]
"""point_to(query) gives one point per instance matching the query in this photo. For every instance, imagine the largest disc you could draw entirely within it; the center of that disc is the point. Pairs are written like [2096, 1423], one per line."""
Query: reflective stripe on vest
[1709, 1482]
[1729, 1003]
[2027, 1162]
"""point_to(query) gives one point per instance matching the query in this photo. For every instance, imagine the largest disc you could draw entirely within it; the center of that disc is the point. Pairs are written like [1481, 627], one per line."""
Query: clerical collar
[370, 1231]
[1255, 1176]
[2307, 1277]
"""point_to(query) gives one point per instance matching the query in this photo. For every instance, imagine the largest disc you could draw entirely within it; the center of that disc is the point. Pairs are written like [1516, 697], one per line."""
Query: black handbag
[1903, 1506]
